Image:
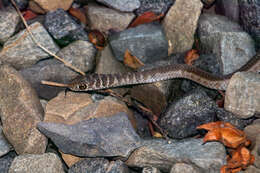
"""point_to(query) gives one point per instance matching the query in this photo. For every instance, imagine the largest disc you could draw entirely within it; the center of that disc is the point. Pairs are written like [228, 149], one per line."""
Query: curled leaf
[191, 56]
[146, 17]
[132, 61]
[97, 38]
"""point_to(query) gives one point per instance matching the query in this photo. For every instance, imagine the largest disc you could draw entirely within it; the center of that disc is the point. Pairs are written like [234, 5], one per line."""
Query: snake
[96, 81]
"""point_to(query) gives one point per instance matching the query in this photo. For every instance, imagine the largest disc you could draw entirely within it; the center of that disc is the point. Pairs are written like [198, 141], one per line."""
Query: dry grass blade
[39, 45]
[54, 84]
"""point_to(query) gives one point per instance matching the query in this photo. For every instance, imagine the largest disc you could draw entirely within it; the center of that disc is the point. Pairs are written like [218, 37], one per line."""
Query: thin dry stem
[39, 45]
[54, 84]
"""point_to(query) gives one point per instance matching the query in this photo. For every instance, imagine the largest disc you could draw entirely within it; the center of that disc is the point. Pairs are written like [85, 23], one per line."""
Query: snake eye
[82, 86]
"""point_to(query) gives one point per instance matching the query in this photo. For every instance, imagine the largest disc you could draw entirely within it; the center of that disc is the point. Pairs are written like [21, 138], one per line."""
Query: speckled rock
[20, 51]
[150, 170]
[20, 111]
[5, 161]
[5, 146]
[32, 163]
[183, 168]
[122, 5]
[158, 6]
[51, 5]
[7, 27]
[229, 8]
[22, 4]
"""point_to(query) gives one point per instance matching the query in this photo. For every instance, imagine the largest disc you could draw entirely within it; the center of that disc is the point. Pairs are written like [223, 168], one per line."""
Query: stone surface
[20, 51]
[22, 4]
[242, 94]
[70, 159]
[5, 161]
[20, 111]
[136, 39]
[180, 24]
[51, 5]
[229, 8]
[250, 18]
[5, 147]
[36, 7]
[63, 28]
[150, 170]
[32, 163]
[7, 27]
[96, 165]
[208, 2]
[252, 169]
[105, 136]
[164, 154]
[80, 54]
[183, 168]
[255, 151]
[226, 39]
[122, 5]
[158, 6]
[183, 116]
[252, 131]
[104, 19]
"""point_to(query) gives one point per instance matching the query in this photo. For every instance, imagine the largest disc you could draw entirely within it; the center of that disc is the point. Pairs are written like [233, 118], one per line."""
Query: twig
[39, 45]
[54, 84]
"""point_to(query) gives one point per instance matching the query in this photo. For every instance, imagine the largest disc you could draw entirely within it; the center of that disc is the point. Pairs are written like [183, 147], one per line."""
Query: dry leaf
[78, 14]
[97, 38]
[146, 17]
[157, 135]
[28, 14]
[191, 56]
[132, 61]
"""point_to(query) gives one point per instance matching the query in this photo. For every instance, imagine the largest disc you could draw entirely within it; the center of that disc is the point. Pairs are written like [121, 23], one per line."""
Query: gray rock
[106, 136]
[104, 19]
[183, 116]
[5, 161]
[251, 169]
[183, 168]
[229, 8]
[242, 95]
[231, 42]
[150, 170]
[32, 163]
[163, 155]
[5, 147]
[180, 24]
[98, 165]
[136, 41]
[20, 51]
[20, 111]
[80, 54]
[158, 6]
[7, 27]
[250, 18]
[22, 4]
[256, 149]
[63, 28]
[122, 5]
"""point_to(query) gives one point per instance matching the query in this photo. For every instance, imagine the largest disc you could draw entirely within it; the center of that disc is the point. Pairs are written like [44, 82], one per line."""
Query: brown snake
[102, 81]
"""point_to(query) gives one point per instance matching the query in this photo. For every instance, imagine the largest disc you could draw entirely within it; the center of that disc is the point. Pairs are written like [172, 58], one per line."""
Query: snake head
[79, 84]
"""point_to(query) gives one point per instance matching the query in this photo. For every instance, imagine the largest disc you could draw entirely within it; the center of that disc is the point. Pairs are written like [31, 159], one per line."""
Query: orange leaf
[146, 17]
[28, 14]
[78, 14]
[132, 61]
[97, 38]
[191, 56]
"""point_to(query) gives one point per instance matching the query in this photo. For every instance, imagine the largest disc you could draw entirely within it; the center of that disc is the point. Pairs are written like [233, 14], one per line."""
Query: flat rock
[5, 161]
[7, 27]
[105, 136]
[163, 155]
[20, 51]
[42, 163]
[96, 165]
[242, 95]
[122, 5]
[63, 28]
[104, 19]
[52, 5]
[231, 41]
[136, 39]
[20, 111]
[5, 147]
[180, 24]
[158, 7]
[230, 9]
[183, 168]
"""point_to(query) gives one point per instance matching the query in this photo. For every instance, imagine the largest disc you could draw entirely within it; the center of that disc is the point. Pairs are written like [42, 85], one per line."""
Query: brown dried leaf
[78, 14]
[146, 17]
[191, 56]
[132, 61]
[97, 38]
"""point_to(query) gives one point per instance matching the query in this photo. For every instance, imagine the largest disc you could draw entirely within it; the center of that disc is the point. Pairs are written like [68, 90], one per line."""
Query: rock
[256, 149]
[250, 18]
[5, 161]
[252, 169]
[20, 111]
[136, 39]
[70, 159]
[44, 103]
[183, 168]
[20, 51]
[50, 5]
[158, 7]
[31, 163]
[96, 165]
[63, 28]
[183, 116]
[180, 24]
[21, 4]
[161, 154]
[7, 27]
[104, 19]
[242, 94]
[150, 170]
[208, 3]
[36, 7]
[96, 137]
[231, 42]
[123, 5]
[5, 147]
[230, 9]
[252, 131]
[80, 54]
